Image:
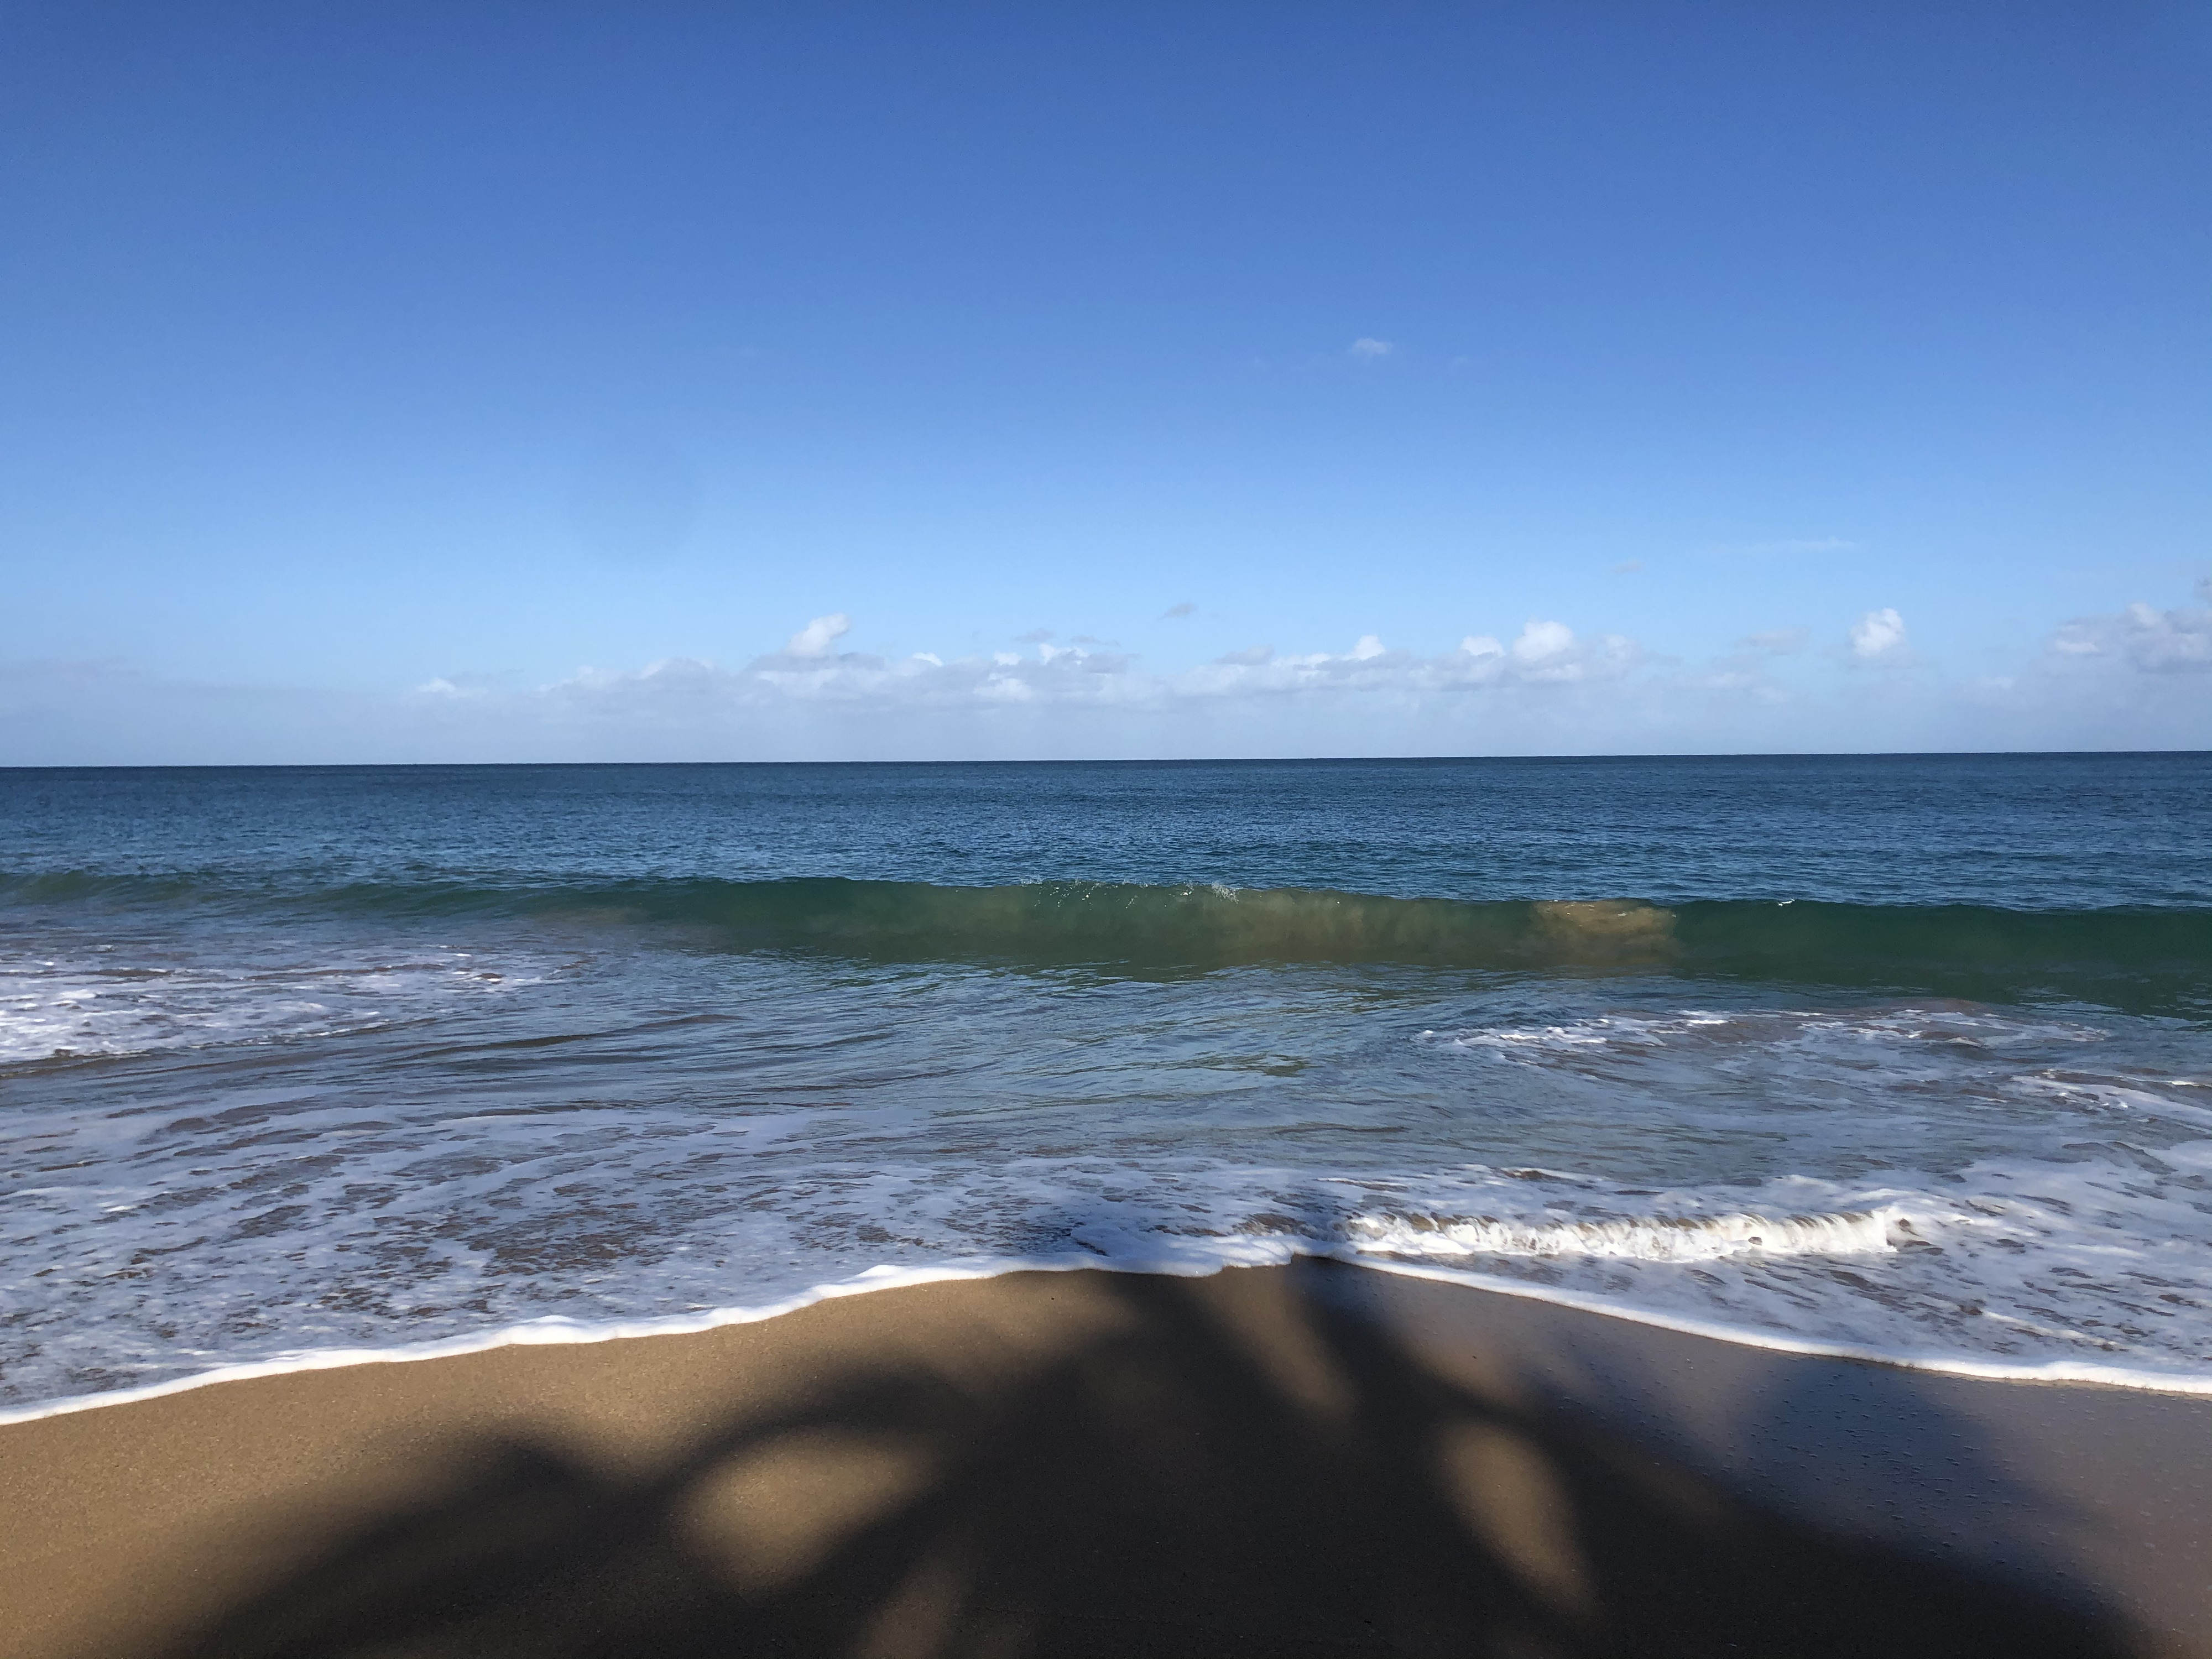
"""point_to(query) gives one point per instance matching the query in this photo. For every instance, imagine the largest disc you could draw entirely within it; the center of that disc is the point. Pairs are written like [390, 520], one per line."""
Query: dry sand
[1304, 1460]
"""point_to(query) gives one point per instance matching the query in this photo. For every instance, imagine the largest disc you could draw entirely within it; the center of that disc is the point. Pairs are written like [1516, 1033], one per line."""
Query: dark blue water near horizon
[2023, 831]
[1906, 1055]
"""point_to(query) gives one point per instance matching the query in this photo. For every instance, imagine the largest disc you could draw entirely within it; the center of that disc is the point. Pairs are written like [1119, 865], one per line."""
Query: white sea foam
[1182, 1263]
[1940, 1186]
[1640, 1238]
[83, 1005]
[2109, 1094]
[2008, 1269]
[1704, 1031]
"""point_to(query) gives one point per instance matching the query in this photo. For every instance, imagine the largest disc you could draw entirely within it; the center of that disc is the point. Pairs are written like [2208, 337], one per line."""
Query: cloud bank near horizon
[2141, 677]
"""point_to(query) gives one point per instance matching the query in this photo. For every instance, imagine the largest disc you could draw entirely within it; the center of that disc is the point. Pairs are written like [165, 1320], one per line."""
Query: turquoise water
[1902, 1055]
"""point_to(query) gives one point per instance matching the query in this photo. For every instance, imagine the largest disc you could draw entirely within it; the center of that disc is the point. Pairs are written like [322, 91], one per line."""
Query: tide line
[1246, 1252]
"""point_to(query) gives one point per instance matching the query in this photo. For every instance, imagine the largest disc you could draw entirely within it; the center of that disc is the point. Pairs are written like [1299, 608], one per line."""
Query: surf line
[555, 1329]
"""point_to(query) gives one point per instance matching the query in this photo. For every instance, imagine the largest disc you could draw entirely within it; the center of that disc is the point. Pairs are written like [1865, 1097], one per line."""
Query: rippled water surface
[1907, 1056]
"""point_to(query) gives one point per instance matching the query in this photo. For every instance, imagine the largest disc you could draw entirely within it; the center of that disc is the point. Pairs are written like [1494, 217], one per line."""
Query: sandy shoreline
[561, 1332]
[1307, 1459]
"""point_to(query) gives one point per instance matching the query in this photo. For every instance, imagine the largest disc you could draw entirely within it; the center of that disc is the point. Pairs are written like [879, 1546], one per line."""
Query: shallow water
[1902, 1055]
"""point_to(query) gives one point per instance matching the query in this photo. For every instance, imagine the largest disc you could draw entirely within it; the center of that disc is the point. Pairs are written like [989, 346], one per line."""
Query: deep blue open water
[1904, 1055]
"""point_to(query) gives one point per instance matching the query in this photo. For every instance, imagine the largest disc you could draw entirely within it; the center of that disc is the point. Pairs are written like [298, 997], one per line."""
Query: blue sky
[507, 382]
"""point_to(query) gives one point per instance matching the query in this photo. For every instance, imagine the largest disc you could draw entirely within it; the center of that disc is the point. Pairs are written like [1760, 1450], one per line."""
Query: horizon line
[1220, 759]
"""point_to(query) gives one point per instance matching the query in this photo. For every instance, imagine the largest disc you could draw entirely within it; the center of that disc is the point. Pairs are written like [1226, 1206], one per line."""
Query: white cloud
[1173, 611]
[1876, 632]
[464, 685]
[814, 640]
[2144, 638]
[2132, 678]
[1541, 640]
[1367, 348]
[1545, 654]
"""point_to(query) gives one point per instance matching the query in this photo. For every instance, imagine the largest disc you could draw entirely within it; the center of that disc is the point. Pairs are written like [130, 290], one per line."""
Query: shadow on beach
[1199, 1468]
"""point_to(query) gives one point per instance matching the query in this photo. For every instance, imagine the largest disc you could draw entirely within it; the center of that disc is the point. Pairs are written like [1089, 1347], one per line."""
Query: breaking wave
[2168, 951]
[1646, 1238]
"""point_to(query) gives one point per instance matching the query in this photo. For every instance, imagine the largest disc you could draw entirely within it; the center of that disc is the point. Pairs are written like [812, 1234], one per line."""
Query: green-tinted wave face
[2137, 957]
[1966, 948]
[1163, 927]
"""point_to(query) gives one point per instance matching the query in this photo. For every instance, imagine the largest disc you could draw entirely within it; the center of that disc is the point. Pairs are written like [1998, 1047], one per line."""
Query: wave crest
[1979, 950]
[1642, 1238]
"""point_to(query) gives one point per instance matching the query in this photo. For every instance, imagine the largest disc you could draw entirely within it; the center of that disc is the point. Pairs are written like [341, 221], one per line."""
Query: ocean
[1908, 1057]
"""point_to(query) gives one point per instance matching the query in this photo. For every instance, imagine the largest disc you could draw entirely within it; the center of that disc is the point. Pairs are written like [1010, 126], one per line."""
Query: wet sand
[1315, 1459]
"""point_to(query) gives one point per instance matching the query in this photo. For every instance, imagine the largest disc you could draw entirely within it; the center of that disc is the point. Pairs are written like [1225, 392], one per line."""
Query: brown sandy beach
[1306, 1460]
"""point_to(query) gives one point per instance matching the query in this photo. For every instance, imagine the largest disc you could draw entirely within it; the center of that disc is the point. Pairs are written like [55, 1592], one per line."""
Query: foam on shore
[554, 1331]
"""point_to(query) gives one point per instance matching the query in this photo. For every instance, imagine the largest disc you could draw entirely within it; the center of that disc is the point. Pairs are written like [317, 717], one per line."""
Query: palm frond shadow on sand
[1195, 1481]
